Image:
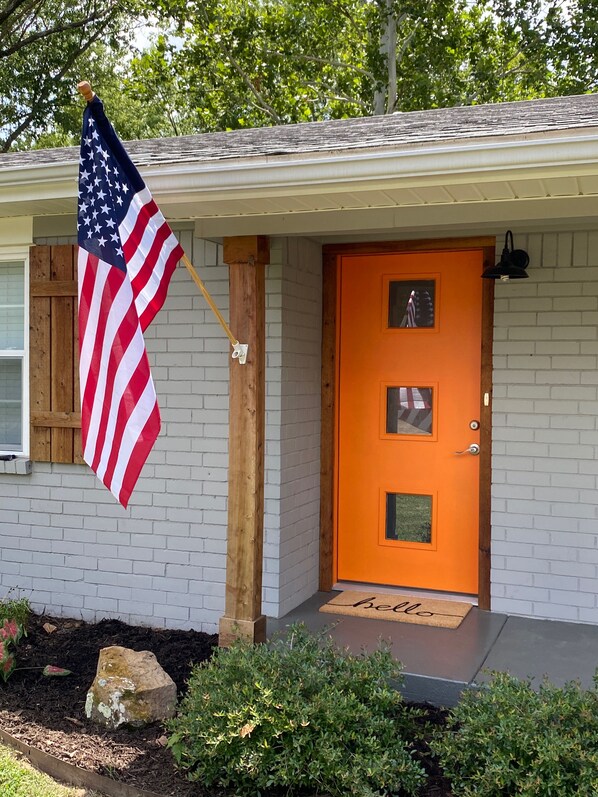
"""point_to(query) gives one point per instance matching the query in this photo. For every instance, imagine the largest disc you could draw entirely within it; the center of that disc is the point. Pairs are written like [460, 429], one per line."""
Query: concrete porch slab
[440, 663]
[537, 648]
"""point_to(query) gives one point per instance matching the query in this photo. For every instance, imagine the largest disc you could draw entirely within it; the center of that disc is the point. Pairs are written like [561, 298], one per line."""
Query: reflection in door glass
[408, 517]
[409, 410]
[411, 303]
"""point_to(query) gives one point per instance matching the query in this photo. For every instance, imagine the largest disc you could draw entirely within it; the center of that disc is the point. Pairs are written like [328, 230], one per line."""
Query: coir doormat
[399, 608]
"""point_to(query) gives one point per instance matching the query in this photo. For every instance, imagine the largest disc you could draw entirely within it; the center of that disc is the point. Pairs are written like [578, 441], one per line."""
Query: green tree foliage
[41, 42]
[247, 63]
[136, 115]
[227, 64]
[260, 62]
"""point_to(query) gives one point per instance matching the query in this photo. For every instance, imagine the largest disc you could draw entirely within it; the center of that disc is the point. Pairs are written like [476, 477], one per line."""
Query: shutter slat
[57, 420]
[54, 288]
[55, 416]
[62, 352]
[39, 357]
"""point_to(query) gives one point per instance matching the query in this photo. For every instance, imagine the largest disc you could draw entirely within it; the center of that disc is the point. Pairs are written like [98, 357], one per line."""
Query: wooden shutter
[54, 355]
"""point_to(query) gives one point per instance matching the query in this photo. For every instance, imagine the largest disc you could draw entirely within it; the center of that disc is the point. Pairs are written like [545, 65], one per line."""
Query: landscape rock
[130, 690]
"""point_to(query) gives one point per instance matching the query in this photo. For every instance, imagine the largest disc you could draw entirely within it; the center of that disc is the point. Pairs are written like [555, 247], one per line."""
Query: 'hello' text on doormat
[399, 608]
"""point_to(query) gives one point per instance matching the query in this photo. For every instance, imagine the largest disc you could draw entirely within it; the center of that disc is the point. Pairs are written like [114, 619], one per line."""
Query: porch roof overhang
[473, 178]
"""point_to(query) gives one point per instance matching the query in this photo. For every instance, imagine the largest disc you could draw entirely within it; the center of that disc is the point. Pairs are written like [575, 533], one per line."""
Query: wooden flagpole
[239, 349]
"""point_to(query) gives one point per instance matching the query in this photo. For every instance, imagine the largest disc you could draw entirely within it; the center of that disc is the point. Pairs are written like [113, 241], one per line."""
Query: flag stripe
[152, 252]
[136, 406]
[139, 454]
[123, 376]
[139, 200]
[412, 399]
[138, 240]
[115, 300]
[87, 267]
[90, 337]
[125, 334]
[159, 295]
[150, 248]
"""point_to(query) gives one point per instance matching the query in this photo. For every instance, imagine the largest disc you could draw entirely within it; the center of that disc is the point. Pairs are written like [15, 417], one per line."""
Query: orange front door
[409, 399]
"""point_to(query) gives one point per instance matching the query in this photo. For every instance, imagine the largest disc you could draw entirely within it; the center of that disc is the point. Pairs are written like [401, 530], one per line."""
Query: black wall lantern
[512, 263]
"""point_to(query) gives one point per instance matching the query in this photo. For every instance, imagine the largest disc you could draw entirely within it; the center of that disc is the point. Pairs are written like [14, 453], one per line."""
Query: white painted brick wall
[293, 430]
[162, 561]
[545, 432]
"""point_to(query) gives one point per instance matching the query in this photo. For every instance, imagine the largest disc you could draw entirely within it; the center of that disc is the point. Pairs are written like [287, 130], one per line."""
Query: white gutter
[554, 154]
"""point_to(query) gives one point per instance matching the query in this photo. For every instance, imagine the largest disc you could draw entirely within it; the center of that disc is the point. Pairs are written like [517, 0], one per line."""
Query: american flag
[127, 254]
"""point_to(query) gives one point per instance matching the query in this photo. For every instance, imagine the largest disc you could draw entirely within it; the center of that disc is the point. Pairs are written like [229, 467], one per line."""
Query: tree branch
[342, 10]
[42, 34]
[326, 61]
[249, 83]
[24, 124]
[339, 97]
[10, 9]
[41, 98]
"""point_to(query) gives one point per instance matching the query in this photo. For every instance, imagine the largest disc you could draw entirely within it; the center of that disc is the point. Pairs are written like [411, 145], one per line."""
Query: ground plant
[17, 609]
[14, 617]
[297, 718]
[297, 714]
[510, 739]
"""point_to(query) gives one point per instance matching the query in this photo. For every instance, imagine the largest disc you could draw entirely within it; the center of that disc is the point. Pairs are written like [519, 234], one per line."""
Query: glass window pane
[409, 410]
[408, 517]
[11, 306]
[11, 328]
[411, 303]
[10, 404]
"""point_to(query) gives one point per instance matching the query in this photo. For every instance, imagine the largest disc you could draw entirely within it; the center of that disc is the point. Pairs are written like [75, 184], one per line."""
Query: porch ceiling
[421, 205]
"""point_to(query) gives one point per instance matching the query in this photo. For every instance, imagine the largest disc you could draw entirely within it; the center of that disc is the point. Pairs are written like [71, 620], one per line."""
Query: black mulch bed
[48, 713]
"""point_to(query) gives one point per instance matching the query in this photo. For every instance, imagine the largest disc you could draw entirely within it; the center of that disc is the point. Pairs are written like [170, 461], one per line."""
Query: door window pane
[11, 391]
[409, 410]
[408, 517]
[11, 306]
[411, 303]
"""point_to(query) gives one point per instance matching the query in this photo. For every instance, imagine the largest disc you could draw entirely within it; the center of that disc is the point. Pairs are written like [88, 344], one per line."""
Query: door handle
[472, 449]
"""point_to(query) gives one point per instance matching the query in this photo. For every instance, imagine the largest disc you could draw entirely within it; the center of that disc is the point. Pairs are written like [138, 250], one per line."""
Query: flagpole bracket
[240, 352]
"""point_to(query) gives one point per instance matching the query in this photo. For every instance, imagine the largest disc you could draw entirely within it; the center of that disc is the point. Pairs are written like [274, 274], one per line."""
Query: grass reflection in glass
[409, 517]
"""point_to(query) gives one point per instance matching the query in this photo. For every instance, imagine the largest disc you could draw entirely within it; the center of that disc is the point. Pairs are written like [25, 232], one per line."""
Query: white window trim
[21, 254]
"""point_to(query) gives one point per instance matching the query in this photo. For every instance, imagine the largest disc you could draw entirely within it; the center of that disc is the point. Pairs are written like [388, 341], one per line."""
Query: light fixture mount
[512, 263]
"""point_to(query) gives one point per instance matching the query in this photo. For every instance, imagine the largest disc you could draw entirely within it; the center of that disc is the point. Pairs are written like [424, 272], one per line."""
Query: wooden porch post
[246, 257]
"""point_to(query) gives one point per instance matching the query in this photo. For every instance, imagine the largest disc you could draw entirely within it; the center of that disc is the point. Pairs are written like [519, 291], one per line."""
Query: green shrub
[296, 714]
[508, 739]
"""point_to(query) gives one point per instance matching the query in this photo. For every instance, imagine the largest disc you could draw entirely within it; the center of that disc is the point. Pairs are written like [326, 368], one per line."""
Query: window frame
[20, 254]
